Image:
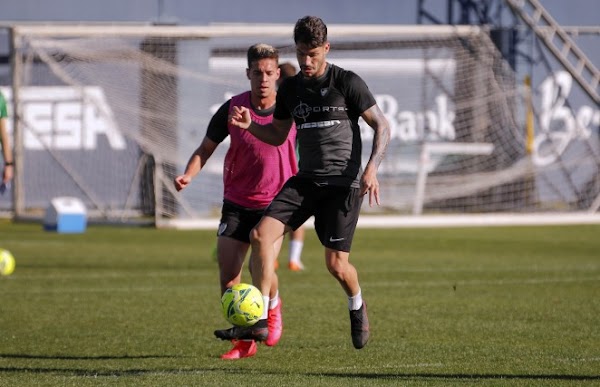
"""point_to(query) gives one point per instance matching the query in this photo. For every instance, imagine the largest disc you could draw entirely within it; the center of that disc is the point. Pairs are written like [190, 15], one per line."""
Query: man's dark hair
[262, 51]
[310, 30]
[287, 70]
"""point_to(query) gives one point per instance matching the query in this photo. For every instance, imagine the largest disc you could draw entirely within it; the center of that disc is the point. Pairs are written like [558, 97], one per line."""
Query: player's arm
[7, 173]
[375, 118]
[216, 132]
[196, 163]
[274, 133]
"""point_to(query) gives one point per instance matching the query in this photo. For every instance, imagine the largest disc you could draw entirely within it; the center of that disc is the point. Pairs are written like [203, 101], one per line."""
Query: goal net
[111, 114]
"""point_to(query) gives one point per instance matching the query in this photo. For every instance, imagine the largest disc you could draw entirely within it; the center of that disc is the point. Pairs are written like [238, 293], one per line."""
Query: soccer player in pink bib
[253, 173]
[7, 171]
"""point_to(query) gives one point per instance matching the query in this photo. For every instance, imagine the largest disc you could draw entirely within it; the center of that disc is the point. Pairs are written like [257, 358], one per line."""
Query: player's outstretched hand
[181, 182]
[240, 117]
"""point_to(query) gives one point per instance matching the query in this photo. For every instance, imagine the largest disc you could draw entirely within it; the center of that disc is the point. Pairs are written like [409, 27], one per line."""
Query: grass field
[515, 306]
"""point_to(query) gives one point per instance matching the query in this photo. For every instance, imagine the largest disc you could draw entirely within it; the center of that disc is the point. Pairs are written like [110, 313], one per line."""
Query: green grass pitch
[117, 306]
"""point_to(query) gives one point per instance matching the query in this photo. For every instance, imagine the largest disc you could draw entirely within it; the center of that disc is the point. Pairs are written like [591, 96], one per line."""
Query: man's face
[263, 75]
[312, 61]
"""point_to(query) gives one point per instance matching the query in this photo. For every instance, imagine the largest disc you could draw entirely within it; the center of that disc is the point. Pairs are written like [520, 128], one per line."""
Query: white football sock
[295, 250]
[265, 312]
[273, 302]
[355, 302]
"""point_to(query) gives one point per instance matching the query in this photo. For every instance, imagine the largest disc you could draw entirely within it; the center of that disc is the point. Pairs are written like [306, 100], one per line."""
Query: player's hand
[370, 184]
[240, 117]
[181, 182]
[7, 174]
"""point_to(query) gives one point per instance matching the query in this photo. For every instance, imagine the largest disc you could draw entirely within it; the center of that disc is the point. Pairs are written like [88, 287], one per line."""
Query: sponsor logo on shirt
[319, 124]
[303, 110]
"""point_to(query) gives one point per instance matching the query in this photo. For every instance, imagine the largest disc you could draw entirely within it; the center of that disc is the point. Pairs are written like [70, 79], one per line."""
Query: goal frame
[61, 30]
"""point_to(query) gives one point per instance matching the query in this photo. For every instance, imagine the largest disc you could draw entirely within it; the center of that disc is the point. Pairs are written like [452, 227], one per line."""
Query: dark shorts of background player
[237, 221]
[335, 209]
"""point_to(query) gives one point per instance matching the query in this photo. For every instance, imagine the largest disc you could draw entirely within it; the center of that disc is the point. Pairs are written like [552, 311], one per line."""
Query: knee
[257, 237]
[336, 267]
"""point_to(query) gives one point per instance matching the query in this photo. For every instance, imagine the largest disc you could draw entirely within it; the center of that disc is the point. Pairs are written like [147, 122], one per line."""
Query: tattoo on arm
[381, 137]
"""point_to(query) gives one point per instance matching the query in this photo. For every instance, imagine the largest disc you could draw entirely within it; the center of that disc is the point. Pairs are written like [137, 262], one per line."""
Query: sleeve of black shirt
[217, 129]
[286, 89]
[357, 93]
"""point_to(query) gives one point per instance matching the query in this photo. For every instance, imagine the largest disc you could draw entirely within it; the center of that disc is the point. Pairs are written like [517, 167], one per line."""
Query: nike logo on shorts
[332, 239]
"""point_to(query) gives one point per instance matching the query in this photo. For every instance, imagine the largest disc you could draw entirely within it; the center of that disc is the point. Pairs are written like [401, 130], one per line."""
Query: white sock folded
[355, 302]
[273, 302]
[265, 312]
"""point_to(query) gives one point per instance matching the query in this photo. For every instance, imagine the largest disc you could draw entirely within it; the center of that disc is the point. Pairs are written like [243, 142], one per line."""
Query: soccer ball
[242, 305]
[7, 262]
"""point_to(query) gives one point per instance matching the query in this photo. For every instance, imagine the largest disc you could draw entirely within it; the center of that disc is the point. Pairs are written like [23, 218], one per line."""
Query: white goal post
[111, 113]
[442, 148]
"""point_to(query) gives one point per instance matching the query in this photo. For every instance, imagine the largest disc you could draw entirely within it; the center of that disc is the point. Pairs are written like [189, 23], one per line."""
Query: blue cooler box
[65, 215]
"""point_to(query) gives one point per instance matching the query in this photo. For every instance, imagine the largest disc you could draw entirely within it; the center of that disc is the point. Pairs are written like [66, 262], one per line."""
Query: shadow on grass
[64, 357]
[461, 376]
[373, 376]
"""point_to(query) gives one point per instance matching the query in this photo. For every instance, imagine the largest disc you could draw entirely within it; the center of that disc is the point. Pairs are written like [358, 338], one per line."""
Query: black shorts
[335, 208]
[237, 221]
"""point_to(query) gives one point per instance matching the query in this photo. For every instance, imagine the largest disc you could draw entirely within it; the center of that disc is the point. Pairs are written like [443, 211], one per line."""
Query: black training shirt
[326, 112]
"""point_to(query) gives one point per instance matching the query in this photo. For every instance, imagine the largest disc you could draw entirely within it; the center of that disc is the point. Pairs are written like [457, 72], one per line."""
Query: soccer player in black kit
[325, 101]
